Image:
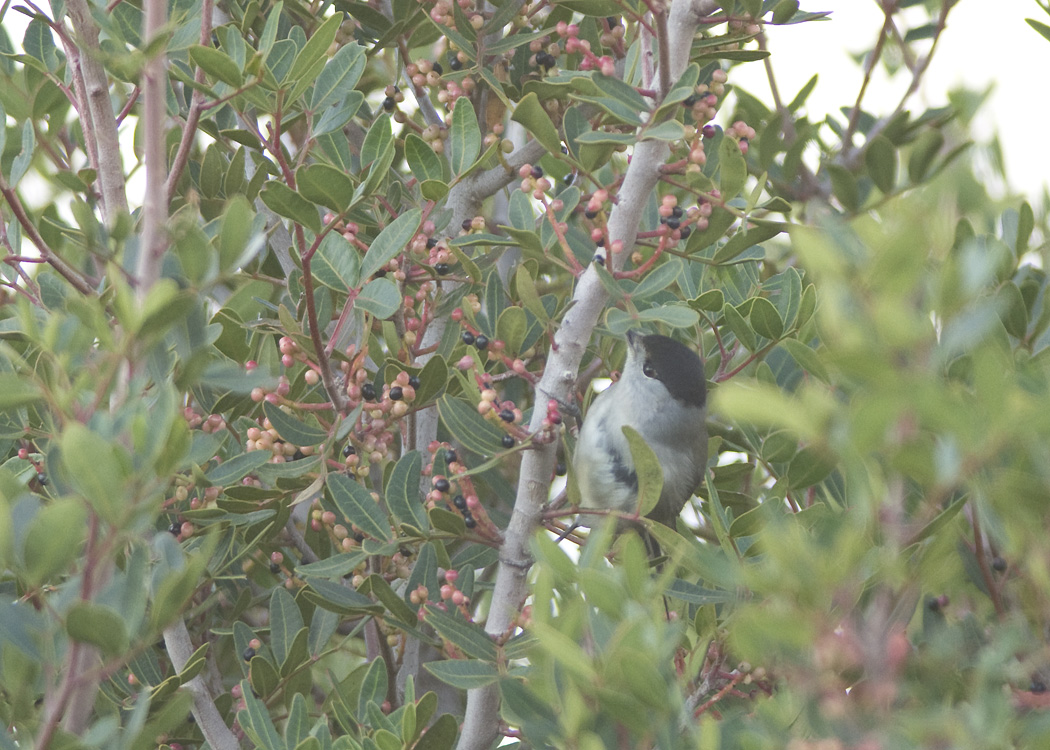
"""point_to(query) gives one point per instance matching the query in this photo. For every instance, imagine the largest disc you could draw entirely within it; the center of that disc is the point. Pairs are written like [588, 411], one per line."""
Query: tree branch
[154, 240]
[559, 377]
[214, 729]
[100, 127]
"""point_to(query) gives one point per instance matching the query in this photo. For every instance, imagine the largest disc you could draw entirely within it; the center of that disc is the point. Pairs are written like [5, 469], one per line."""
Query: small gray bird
[662, 394]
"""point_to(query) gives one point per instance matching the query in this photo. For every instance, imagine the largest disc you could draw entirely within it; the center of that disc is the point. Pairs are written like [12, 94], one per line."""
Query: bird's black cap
[675, 365]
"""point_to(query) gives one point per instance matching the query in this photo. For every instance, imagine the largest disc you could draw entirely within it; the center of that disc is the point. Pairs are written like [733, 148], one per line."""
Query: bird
[662, 395]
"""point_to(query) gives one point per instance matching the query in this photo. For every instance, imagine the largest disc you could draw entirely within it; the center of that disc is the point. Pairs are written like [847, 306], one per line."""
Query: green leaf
[378, 587]
[468, 637]
[1040, 27]
[237, 468]
[732, 169]
[336, 597]
[765, 320]
[285, 621]
[236, 233]
[442, 733]
[806, 358]
[336, 263]
[92, 465]
[464, 138]
[674, 315]
[1012, 310]
[403, 491]
[335, 566]
[291, 429]
[923, 152]
[422, 160]
[668, 130]
[881, 160]
[315, 48]
[339, 76]
[16, 390]
[263, 675]
[844, 186]
[373, 687]
[256, 722]
[746, 239]
[378, 139]
[269, 32]
[326, 185]
[284, 201]
[390, 241]
[20, 164]
[217, 64]
[358, 507]
[98, 625]
[647, 469]
[465, 674]
[740, 328]
[473, 431]
[379, 297]
[39, 43]
[810, 466]
[432, 379]
[534, 118]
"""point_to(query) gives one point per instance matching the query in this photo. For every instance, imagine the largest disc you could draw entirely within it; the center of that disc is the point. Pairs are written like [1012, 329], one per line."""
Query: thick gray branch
[563, 364]
[214, 729]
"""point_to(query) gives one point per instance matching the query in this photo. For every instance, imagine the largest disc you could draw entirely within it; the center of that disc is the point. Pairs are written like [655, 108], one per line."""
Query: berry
[537, 172]
[481, 342]
[677, 212]
[298, 454]
[709, 131]
[431, 243]
[41, 477]
[396, 393]
[686, 231]
[368, 392]
[506, 415]
[460, 502]
[507, 441]
[438, 69]
[673, 223]
[442, 269]
[249, 654]
[689, 101]
[275, 568]
[450, 455]
[349, 450]
[455, 64]
[559, 469]
[175, 528]
[590, 213]
[389, 103]
[998, 564]
[469, 521]
[468, 338]
[441, 484]
[413, 380]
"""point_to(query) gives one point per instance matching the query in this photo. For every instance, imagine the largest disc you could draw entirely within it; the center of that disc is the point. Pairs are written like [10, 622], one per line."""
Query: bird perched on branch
[661, 395]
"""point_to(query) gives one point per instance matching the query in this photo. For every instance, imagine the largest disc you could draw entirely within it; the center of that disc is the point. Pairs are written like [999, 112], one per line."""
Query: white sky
[984, 42]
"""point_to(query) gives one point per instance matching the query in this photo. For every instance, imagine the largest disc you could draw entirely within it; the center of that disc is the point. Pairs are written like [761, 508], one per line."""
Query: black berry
[709, 131]
[249, 654]
[590, 214]
[468, 338]
[413, 380]
[349, 450]
[397, 393]
[689, 101]
[686, 231]
[460, 502]
[998, 564]
[275, 568]
[441, 485]
[41, 477]
[450, 456]
[673, 223]
[537, 171]
[431, 243]
[455, 64]
[298, 454]
[368, 392]
[481, 342]
[438, 69]
[389, 103]
[442, 269]
[506, 415]
[507, 441]
[175, 528]
[676, 212]
[469, 521]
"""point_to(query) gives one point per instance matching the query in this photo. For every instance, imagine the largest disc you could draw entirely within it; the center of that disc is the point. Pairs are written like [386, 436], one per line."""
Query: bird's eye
[648, 369]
